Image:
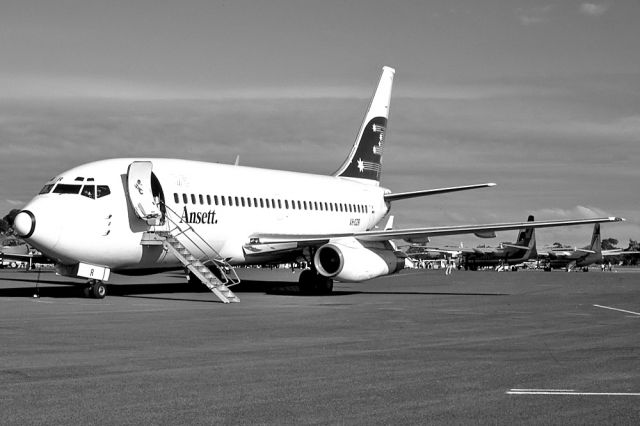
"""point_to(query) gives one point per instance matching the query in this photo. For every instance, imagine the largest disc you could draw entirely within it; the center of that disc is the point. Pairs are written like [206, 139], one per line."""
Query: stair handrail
[218, 260]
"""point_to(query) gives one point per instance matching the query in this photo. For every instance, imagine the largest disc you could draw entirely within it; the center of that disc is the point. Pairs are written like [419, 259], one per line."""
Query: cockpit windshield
[46, 189]
[89, 190]
[103, 191]
[65, 188]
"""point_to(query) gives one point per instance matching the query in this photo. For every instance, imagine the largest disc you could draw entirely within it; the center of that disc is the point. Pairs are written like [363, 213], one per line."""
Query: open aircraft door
[145, 204]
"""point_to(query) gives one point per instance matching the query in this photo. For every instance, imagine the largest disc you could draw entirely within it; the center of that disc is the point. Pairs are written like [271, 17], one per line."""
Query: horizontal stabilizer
[425, 192]
[585, 250]
[516, 246]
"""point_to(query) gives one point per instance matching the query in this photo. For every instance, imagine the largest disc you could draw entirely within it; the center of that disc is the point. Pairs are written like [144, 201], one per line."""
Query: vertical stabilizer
[364, 162]
[527, 235]
[527, 238]
[596, 242]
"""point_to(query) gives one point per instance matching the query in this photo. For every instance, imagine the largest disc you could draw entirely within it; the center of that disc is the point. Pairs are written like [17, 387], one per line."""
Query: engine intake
[353, 262]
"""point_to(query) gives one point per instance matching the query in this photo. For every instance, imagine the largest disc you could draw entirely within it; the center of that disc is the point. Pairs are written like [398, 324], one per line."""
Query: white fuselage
[225, 205]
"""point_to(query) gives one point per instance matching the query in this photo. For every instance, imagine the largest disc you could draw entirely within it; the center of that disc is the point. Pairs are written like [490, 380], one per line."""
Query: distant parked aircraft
[507, 254]
[579, 257]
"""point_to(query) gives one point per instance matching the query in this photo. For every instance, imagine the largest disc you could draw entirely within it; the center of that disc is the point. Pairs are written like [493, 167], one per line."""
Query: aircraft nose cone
[24, 224]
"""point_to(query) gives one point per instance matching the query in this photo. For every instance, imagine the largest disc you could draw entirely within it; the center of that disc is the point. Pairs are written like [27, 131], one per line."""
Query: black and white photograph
[345, 212]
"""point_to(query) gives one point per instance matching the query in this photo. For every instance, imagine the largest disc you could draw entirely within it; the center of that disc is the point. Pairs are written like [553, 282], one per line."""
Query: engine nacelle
[353, 262]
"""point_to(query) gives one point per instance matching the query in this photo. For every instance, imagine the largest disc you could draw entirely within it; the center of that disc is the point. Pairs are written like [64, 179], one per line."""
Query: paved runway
[415, 348]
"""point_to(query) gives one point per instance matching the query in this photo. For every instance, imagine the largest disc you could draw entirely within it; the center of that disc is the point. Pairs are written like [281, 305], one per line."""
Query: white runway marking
[616, 309]
[567, 392]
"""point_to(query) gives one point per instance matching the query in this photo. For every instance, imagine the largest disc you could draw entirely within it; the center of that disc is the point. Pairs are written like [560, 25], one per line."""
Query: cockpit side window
[46, 189]
[64, 188]
[89, 191]
[102, 191]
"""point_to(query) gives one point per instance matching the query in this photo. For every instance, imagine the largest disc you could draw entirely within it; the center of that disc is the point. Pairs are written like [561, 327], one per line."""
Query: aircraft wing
[388, 234]
[617, 252]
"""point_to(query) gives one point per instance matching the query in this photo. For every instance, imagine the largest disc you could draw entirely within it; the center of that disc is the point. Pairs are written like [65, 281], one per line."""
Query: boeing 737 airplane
[507, 254]
[144, 215]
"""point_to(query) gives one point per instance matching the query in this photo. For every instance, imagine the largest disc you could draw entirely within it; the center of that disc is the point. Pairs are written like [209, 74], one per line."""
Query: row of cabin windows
[270, 203]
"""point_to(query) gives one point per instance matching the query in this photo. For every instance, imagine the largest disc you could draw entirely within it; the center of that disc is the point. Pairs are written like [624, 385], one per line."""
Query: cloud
[585, 212]
[535, 15]
[70, 87]
[593, 9]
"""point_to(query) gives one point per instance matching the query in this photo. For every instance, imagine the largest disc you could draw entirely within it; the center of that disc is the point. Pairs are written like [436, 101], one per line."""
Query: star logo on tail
[360, 165]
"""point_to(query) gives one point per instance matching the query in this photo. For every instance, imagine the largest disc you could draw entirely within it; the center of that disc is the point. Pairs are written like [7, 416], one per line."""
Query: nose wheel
[96, 289]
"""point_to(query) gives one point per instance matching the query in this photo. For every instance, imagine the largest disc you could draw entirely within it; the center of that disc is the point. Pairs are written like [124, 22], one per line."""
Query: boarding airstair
[213, 270]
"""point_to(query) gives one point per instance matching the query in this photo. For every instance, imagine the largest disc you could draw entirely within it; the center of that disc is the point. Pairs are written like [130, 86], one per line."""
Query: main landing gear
[96, 289]
[311, 282]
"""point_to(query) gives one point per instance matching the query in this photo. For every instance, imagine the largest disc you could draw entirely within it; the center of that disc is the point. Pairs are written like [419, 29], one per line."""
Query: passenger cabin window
[176, 198]
[193, 199]
[208, 199]
[102, 191]
[184, 198]
[64, 188]
[88, 191]
[201, 199]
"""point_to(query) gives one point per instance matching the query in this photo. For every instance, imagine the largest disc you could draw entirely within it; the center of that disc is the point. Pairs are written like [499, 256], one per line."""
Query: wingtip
[492, 184]
[616, 219]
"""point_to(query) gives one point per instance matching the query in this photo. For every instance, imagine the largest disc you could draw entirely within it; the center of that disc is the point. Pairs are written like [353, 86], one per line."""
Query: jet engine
[351, 261]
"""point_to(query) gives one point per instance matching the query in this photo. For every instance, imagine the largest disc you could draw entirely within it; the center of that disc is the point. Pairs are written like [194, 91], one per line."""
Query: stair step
[208, 278]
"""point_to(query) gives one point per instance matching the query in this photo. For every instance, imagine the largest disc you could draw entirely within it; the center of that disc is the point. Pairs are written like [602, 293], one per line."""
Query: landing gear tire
[95, 289]
[312, 283]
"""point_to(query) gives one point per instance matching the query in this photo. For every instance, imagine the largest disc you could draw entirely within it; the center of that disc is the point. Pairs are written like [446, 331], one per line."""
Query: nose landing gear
[96, 289]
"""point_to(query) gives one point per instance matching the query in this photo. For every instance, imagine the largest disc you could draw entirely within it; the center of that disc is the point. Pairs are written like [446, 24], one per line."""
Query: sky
[542, 98]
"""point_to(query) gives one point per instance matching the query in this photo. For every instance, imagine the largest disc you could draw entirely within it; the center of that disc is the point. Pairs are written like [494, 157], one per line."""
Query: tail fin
[596, 243]
[526, 235]
[527, 238]
[364, 162]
